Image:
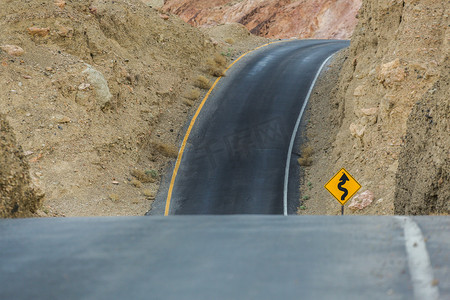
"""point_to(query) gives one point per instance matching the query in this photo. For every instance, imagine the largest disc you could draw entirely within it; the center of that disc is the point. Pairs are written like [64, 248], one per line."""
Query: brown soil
[398, 58]
[98, 97]
[423, 177]
[17, 196]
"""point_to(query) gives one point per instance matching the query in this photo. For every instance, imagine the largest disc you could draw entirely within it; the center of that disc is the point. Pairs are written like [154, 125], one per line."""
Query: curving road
[236, 153]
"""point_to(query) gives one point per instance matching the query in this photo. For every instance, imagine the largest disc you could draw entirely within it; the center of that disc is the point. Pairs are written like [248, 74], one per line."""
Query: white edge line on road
[294, 134]
[418, 261]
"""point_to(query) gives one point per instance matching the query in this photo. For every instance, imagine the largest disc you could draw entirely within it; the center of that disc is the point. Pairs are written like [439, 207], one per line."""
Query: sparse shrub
[307, 151]
[114, 197]
[304, 198]
[306, 160]
[149, 194]
[228, 53]
[220, 60]
[142, 176]
[152, 173]
[193, 94]
[166, 149]
[202, 82]
[214, 69]
[136, 183]
[188, 102]
[217, 72]
[302, 207]
[229, 41]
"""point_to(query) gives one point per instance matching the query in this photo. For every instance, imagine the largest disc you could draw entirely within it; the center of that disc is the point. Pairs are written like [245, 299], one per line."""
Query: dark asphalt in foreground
[235, 158]
[216, 257]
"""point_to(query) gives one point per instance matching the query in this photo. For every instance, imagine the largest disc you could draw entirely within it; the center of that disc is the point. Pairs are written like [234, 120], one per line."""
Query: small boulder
[60, 3]
[362, 200]
[164, 16]
[359, 91]
[61, 119]
[12, 50]
[100, 86]
[357, 130]
[65, 32]
[391, 72]
[42, 32]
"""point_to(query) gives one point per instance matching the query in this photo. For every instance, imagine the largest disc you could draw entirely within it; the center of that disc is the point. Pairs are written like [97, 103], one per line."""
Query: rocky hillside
[274, 18]
[93, 91]
[392, 107]
[423, 176]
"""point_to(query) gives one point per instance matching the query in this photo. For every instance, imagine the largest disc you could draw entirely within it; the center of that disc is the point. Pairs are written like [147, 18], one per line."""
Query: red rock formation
[274, 18]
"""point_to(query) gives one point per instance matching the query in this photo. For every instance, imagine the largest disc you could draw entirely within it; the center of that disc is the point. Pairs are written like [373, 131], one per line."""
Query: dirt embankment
[391, 112]
[18, 198]
[96, 93]
[274, 18]
[423, 176]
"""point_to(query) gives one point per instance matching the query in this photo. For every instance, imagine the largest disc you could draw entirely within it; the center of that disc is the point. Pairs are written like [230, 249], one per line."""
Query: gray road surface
[216, 257]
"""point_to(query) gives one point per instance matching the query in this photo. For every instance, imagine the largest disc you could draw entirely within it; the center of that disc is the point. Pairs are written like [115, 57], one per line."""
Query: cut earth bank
[381, 111]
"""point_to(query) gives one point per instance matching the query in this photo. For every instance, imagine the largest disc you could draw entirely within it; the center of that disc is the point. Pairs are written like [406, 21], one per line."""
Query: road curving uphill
[236, 150]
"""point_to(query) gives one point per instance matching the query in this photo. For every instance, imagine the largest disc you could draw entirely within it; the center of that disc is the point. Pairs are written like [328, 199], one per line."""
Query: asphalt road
[235, 158]
[224, 257]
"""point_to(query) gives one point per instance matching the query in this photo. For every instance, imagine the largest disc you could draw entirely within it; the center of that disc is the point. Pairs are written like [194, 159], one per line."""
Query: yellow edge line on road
[194, 118]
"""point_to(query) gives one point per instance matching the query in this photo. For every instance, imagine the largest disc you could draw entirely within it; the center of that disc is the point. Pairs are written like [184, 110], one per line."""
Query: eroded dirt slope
[18, 198]
[423, 176]
[93, 95]
[274, 18]
[391, 111]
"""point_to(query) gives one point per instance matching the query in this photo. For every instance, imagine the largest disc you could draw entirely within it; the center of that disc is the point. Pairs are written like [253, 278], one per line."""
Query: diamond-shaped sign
[342, 186]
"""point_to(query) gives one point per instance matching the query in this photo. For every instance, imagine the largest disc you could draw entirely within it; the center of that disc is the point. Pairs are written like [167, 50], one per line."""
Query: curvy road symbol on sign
[342, 186]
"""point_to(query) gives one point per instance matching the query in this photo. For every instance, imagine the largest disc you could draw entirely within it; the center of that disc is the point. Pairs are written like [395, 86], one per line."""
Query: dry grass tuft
[193, 94]
[202, 82]
[149, 194]
[304, 162]
[229, 41]
[214, 69]
[166, 149]
[188, 102]
[142, 176]
[136, 183]
[306, 159]
[220, 60]
[114, 197]
[307, 151]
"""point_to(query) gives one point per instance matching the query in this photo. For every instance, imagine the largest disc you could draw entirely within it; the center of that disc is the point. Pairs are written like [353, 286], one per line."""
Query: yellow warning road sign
[342, 186]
